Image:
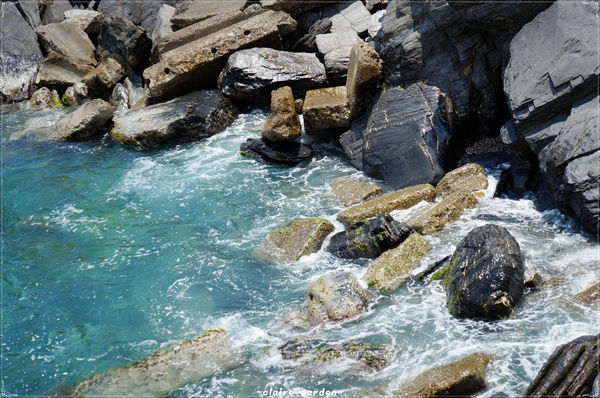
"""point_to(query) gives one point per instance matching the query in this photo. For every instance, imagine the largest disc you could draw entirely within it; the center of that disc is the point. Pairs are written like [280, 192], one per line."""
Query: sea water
[110, 254]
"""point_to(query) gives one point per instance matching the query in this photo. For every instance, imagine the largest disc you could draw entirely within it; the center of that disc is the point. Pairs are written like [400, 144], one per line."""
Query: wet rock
[189, 118]
[294, 240]
[87, 121]
[368, 239]
[326, 108]
[335, 49]
[570, 371]
[364, 72]
[534, 282]
[346, 16]
[486, 274]
[590, 296]
[54, 11]
[119, 99]
[67, 39]
[468, 178]
[88, 20]
[396, 200]
[163, 27]
[119, 36]
[110, 70]
[252, 74]
[308, 42]
[284, 152]
[60, 71]
[283, 123]
[190, 12]
[349, 191]
[166, 370]
[464, 377]
[392, 268]
[44, 98]
[450, 208]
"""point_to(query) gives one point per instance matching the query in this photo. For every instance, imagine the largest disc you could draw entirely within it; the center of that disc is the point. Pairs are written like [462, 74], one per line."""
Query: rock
[166, 370]
[518, 178]
[60, 71]
[405, 139]
[192, 117]
[348, 15]
[294, 7]
[197, 64]
[368, 239]
[326, 108]
[119, 36]
[190, 12]
[308, 42]
[20, 53]
[450, 208]
[135, 88]
[396, 200]
[564, 34]
[392, 268]
[590, 296]
[85, 122]
[294, 240]
[486, 274]
[163, 27]
[468, 178]
[487, 160]
[53, 11]
[110, 70]
[534, 282]
[252, 74]
[335, 49]
[375, 4]
[284, 152]
[67, 39]
[375, 28]
[283, 123]
[143, 14]
[349, 191]
[30, 11]
[75, 95]
[570, 370]
[88, 20]
[364, 72]
[464, 377]
[119, 99]
[335, 297]
[44, 98]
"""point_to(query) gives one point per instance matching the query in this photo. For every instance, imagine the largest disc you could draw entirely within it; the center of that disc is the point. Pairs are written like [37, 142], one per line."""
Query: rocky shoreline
[420, 95]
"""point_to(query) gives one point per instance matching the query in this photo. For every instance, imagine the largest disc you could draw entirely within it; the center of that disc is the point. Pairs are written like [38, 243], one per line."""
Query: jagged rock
[67, 39]
[464, 377]
[60, 71]
[392, 268]
[119, 99]
[375, 26]
[135, 88]
[30, 11]
[190, 12]
[517, 179]
[53, 11]
[284, 152]
[164, 371]
[88, 20]
[192, 117]
[119, 36]
[308, 42]
[294, 240]
[570, 370]
[326, 108]
[364, 72]
[44, 98]
[163, 27]
[405, 139]
[450, 208]
[75, 95]
[349, 191]
[348, 15]
[283, 123]
[485, 278]
[468, 178]
[335, 49]
[252, 74]
[334, 297]
[139, 13]
[590, 296]
[85, 122]
[368, 239]
[396, 200]
[110, 70]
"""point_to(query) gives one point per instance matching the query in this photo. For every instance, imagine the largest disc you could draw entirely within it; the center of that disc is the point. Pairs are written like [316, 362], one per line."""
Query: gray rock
[349, 191]
[308, 42]
[30, 10]
[111, 70]
[60, 71]
[189, 12]
[335, 48]
[119, 36]
[283, 123]
[67, 39]
[75, 95]
[135, 88]
[434, 218]
[53, 11]
[85, 122]
[252, 74]
[375, 4]
[20, 56]
[119, 99]
[143, 14]
[287, 153]
[326, 108]
[375, 26]
[348, 15]
[192, 117]
[163, 26]
[88, 20]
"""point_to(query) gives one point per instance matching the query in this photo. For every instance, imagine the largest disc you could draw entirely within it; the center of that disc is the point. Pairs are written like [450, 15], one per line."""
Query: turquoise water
[110, 254]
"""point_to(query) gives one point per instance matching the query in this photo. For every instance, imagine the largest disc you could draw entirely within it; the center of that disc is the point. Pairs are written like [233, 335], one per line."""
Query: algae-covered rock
[450, 208]
[164, 371]
[590, 296]
[295, 239]
[349, 191]
[390, 269]
[464, 377]
[397, 200]
[468, 178]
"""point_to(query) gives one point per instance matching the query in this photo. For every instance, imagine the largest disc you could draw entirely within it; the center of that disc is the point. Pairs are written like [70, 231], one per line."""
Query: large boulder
[349, 191]
[189, 12]
[570, 371]
[143, 14]
[326, 108]
[192, 117]
[434, 218]
[404, 142]
[85, 122]
[67, 39]
[110, 70]
[252, 74]
[122, 37]
[283, 123]
[164, 371]
[287, 153]
[364, 73]
[60, 71]
[485, 277]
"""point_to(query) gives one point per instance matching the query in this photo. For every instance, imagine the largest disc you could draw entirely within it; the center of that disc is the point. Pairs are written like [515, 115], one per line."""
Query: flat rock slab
[283, 153]
[190, 12]
[349, 191]
[468, 178]
[85, 122]
[326, 108]
[67, 39]
[348, 15]
[450, 208]
[59, 70]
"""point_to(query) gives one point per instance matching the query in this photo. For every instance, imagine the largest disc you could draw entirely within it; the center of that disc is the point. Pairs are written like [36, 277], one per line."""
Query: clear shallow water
[110, 254]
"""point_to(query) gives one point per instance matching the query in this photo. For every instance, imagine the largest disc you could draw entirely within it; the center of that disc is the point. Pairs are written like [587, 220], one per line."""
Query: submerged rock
[590, 296]
[349, 191]
[450, 208]
[283, 123]
[85, 122]
[284, 152]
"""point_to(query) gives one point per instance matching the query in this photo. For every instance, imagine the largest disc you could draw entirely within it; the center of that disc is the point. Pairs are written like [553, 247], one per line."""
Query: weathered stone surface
[110, 70]
[252, 74]
[375, 4]
[364, 72]
[375, 27]
[294, 7]
[566, 35]
[450, 208]
[67, 39]
[283, 152]
[44, 98]
[30, 10]
[85, 122]
[348, 15]
[119, 99]
[468, 178]
[368, 239]
[139, 13]
[75, 95]
[335, 48]
[405, 139]
[396, 200]
[485, 278]
[163, 26]
[326, 108]
[590, 296]
[570, 371]
[464, 377]
[192, 117]
[88, 20]
[119, 36]
[335, 297]
[294, 240]
[392, 268]
[134, 84]
[308, 42]
[189, 12]
[283, 123]
[54, 11]
[349, 191]
[59, 71]
[166, 370]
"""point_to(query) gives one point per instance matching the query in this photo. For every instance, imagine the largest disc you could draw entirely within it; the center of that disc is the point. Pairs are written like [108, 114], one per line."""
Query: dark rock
[308, 42]
[570, 371]
[119, 36]
[252, 74]
[518, 179]
[283, 123]
[486, 275]
[284, 153]
[53, 11]
[143, 14]
[368, 239]
[60, 71]
[294, 7]
[534, 282]
[488, 160]
[85, 122]
[67, 39]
